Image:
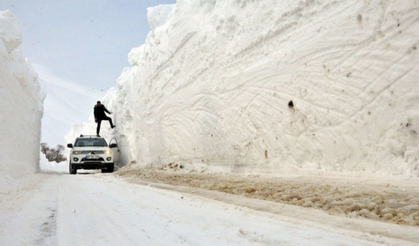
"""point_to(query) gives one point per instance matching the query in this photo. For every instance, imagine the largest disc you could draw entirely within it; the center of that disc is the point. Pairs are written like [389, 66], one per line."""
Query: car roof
[89, 137]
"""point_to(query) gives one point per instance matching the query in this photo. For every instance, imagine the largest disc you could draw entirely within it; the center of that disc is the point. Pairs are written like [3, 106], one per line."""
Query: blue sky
[86, 41]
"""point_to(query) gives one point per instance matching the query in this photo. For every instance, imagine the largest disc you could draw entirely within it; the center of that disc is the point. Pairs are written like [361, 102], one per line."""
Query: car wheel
[73, 169]
[110, 169]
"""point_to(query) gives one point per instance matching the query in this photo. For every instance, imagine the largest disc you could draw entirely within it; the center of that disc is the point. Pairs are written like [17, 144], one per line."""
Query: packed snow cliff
[275, 87]
[21, 105]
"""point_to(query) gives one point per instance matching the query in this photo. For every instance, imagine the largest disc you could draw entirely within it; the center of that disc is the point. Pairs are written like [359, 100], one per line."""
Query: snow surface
[213, 84]
[96, 209]
[53, 167]
[393, 201]
[21, 106]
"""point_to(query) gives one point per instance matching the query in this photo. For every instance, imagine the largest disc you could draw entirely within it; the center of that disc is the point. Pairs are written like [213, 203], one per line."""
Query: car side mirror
[70, 146]
[114, 145]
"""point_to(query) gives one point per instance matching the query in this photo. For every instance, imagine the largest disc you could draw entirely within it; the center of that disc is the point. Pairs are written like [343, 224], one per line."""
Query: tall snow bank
[10, 30]
[21, 105]
[276, 86]
[157, 16]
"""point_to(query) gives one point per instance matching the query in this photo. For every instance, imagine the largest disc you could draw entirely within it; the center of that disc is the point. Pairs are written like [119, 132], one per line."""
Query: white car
[92, 152]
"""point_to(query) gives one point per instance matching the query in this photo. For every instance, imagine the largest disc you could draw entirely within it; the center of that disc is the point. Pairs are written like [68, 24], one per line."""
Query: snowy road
[97, 209]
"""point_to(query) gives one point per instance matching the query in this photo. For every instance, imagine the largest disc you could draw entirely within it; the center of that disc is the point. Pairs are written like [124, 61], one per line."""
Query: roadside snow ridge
[267, 86]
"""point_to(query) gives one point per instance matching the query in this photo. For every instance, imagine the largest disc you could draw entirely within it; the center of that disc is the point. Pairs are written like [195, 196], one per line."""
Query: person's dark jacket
[99, 112]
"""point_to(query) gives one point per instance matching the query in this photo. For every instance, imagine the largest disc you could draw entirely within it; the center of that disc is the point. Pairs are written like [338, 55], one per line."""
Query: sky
[86, 41]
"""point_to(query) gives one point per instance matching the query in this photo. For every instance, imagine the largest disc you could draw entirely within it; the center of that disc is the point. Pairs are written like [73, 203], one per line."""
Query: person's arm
[106, 110]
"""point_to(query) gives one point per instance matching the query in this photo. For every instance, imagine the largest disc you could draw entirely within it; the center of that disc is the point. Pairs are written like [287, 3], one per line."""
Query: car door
[113, 144]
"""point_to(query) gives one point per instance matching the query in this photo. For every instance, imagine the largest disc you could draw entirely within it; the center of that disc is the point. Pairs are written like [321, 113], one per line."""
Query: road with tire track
[101, 209]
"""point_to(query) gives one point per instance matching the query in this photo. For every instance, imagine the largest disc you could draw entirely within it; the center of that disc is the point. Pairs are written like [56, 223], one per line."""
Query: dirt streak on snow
[392, 202]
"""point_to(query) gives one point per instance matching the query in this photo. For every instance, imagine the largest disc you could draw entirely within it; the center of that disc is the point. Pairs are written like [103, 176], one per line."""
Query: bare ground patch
[385, 202]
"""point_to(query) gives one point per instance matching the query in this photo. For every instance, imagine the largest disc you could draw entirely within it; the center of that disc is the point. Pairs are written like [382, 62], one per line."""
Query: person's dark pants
[100, 121]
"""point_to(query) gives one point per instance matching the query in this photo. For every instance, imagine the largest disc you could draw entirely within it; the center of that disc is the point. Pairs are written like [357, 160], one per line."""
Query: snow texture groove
[211, 87]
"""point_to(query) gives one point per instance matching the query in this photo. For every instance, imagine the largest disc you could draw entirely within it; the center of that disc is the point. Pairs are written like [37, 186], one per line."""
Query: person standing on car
[99, 112]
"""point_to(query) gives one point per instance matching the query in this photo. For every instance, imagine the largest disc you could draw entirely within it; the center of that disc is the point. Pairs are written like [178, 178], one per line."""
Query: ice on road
[97, 209]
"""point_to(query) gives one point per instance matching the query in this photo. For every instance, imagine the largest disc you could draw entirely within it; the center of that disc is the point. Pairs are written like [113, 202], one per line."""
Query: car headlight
[76, 152]
[108, 152]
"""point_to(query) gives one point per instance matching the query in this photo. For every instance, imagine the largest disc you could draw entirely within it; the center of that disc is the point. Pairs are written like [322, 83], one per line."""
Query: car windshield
[88, 142]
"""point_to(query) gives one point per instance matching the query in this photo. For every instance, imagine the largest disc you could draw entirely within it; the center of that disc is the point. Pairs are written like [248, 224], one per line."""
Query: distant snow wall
[276, 87]
[21, 105]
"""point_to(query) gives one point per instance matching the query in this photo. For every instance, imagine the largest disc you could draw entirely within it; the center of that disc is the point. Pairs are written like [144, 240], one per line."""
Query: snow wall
[275, 87]
[21, 105]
